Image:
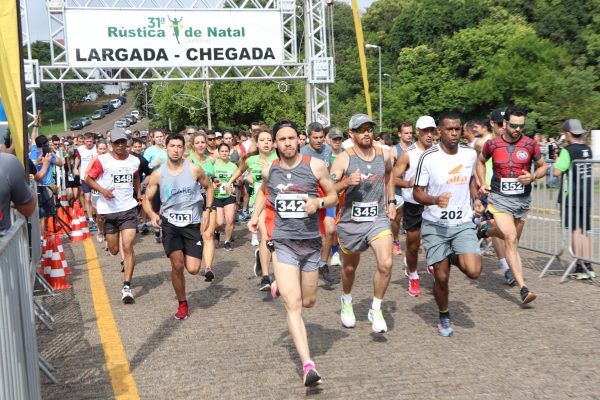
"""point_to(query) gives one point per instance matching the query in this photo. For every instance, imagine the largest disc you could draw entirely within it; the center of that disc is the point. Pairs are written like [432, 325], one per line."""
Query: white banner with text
[173, 38]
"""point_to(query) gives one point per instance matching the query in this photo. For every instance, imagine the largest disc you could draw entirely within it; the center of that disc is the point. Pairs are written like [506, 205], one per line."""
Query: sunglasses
[516, 126]
[210, 138]
[365, 129]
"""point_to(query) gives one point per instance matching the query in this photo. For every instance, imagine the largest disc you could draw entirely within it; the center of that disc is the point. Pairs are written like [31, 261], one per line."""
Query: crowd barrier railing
[581, 214]
[19, 374]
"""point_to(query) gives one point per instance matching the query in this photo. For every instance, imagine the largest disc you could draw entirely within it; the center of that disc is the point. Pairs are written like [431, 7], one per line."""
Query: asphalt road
[107, 123]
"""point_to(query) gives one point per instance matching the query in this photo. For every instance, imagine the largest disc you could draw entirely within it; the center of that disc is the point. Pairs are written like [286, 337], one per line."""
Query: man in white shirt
[85, 153]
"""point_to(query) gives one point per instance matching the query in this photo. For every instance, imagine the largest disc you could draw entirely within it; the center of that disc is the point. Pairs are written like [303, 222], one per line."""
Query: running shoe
[509, 277]
[311, 376]
[265, 284]
[482, 231]
[227, 246]
[591, 272]
[275, 290]
[122, 265]
[377, 321]
[430, 270]
[145, 229]
[217, 237]
[445, 327]
[100, 237]
[526, 295]
[182, 310]
[257, 265]
[324, 271]
[347, 314]
[254, 241]
[157, 237]
[335, 259]
[208, 275]
[453, 259]
[397, 248]
[413, 287]
[127, 295]
[93, 228]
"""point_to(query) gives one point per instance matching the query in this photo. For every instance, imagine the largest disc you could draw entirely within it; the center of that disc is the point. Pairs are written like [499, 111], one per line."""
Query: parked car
[143, 133]
[121, 123]
[90, 97]
[98, 114]
[132, 120]
[136, 114]
[76, 124]
[108, 108]
[123, 99]
[116, 103]
[86, 121]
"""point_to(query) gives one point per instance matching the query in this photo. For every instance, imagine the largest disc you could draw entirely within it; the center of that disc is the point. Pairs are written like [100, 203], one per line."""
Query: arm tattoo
[334, 177]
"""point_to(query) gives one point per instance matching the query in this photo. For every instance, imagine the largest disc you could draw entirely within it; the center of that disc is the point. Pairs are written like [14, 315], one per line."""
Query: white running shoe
[347, 314]
[127, 295]
[378, 323]
[335, 259]
[254, 241]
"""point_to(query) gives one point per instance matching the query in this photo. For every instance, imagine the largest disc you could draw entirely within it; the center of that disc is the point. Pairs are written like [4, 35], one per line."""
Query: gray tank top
[286, 218]
[365, 201]
[181, 196]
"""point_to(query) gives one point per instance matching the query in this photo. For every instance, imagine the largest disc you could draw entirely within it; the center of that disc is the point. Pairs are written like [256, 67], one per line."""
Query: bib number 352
[363, 212]
[511, 186]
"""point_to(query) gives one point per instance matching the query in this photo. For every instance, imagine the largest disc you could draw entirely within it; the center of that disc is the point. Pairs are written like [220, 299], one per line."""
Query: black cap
[497, 116]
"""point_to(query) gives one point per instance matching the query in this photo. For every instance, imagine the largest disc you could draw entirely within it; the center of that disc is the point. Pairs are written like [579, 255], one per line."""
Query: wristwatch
[392, 201]
[321, 203]
[211, 208]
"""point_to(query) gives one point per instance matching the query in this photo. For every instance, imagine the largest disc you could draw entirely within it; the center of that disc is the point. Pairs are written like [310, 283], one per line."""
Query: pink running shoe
[397, 248]
[413, 288]
[311, 376]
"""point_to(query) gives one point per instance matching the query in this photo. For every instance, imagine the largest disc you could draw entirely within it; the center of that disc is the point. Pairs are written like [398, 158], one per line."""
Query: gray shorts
[305, 254]
[439, 240]
[516, 206]
[119, 221]
[355, 237]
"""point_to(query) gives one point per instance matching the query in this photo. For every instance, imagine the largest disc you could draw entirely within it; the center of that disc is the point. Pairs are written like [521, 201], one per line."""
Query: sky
[38, 18]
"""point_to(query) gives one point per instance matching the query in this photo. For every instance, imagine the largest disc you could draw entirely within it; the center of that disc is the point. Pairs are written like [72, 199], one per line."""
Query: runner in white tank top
[445, 183]
[404, 172]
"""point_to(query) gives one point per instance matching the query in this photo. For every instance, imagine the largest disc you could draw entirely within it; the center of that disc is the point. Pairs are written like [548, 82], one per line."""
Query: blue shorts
[85, 187]
[330, 212]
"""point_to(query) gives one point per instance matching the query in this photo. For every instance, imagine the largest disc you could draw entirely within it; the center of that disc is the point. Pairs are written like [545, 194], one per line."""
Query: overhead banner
[173, 38]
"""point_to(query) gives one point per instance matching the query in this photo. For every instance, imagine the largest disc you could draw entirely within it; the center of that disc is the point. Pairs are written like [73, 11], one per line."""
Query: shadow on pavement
[459, 312]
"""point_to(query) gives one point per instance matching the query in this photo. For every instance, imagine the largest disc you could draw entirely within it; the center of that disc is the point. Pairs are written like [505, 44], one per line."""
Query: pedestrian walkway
[235, 344]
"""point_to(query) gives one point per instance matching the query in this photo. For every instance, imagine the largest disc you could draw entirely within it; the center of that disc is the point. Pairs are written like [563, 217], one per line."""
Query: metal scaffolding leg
[40, 278]
[46, 367]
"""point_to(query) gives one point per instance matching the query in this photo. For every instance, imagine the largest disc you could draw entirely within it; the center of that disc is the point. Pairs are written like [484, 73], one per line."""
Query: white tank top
[442, 172]
[414, 153]
[85, 155]
[117, 174]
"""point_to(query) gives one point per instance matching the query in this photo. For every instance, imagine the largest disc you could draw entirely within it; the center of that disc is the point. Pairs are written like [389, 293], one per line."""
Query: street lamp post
[146, 107]
[389, 78]
[374, 46]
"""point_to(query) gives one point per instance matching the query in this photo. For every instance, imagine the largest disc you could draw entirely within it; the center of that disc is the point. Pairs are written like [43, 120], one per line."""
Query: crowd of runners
[318, 198]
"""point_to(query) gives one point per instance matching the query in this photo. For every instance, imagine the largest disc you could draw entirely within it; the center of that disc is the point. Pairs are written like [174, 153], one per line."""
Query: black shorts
[249, 189]
[574, 218]
[46, 206]
[224, 202]
[72, 181]
[187, 239]
[412, 217]
[119, 221]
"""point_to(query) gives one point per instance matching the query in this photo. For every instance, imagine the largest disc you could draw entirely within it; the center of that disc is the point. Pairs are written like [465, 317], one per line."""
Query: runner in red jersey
[512, 155]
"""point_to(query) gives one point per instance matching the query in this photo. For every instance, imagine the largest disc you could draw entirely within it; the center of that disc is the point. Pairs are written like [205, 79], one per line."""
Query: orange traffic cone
[61, 251]
[57, 280]
[46, 264]
[76, 233]
[85, 229]
[64, 201]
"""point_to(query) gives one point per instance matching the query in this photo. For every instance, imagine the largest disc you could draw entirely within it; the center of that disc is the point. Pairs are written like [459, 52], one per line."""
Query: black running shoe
[453, 259]
[227, 246]
[208, 275]
[324, 270]
[526, 295]
[122, 266]
[265, 284]
[145, 229]
[482, 231]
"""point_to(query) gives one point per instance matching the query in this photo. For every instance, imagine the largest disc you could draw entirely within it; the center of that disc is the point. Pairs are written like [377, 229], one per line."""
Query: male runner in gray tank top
[180, 214]
[364, 177]
[290, 197]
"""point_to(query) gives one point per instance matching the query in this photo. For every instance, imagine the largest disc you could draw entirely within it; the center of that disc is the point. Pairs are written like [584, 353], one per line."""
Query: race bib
[511, 186]
[222, 190]
[122, 180]
[180, 218]
[94, 192]
[451, 216]
[291, 205]
[71, 178]
[363, 212]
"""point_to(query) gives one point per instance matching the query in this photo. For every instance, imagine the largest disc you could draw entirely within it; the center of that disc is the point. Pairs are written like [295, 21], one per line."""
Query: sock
[182, 301]
[503, 264]
[335, 249]
[445, 313]
[347, 298]
[414, 275]
[376, 304]
[126, 283]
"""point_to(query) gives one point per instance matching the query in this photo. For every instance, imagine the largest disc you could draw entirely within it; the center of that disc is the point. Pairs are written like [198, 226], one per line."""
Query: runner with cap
[115, 175]
[513, 155]
[290, 196]
[317, 148]
[335, 137]
[405, 140]
[179, 182]
[404, 172]
[445, 183]
[363, 175]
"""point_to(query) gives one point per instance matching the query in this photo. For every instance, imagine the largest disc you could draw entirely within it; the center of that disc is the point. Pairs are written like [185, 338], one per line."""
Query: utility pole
[146, 107]
[389, 78]
[208, 117]
[62, 94]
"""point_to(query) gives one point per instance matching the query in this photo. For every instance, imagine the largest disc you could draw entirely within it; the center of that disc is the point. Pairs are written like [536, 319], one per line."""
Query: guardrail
[19, 375]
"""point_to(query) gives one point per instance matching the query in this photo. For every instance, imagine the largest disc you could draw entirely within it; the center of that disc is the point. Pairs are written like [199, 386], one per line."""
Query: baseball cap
[117, 134]
[497, 116]
[335, 133]
[218, 134]
[128, 132]
[573, 126]
[358, 119]
[425, 121]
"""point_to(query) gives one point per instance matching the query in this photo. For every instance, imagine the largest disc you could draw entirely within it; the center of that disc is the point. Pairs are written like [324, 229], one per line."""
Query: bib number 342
[291, 205]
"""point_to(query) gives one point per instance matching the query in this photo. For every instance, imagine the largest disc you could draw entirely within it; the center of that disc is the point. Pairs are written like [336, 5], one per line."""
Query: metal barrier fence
[19, 375]
[554, 215]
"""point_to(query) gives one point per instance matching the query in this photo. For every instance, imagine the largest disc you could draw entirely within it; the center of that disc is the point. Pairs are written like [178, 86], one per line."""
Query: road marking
[116, 362]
